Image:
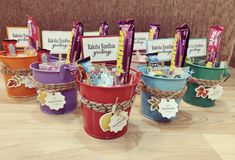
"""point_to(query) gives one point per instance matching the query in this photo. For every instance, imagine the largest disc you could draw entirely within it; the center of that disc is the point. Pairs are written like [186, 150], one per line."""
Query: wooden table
[196, 134]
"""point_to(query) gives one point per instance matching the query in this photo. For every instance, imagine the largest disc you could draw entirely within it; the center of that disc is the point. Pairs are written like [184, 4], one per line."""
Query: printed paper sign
[56, 41]
[93, 33]
[100, 49]
[197, 47]
[140, 40]
[20, 34]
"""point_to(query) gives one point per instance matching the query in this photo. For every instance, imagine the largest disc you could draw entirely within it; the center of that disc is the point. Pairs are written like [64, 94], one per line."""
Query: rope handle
[157, 93]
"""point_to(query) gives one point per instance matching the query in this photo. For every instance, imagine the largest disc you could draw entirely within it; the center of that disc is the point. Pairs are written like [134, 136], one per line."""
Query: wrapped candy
[43, 56]
[154, 30]
[180, 46]
[104, 28]
[125, 49]
[33, 33]
[213, 46]
[10, 47]
[152, 63]
[74, 48]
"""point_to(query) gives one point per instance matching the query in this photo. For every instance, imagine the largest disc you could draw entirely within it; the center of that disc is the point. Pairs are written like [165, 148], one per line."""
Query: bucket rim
[39, 70]
[161, 78]
[213, 68]
[16, 57]
[102, 87]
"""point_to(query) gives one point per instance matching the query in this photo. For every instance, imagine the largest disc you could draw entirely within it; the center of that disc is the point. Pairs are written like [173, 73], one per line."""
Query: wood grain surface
[59, 15]
[196, 133]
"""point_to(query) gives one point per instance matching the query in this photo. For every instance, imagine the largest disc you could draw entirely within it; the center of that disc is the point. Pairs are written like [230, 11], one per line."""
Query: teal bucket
[203, 73]
[162, 84]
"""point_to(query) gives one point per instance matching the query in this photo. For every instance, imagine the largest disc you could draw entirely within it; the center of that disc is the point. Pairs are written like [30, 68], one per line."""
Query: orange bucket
[16, 74]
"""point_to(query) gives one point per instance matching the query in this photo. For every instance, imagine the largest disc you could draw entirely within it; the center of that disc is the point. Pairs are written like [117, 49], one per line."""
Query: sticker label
[215, 92]
[153, 103]
[104, 121]
[118, 122]
[201, 91]
[168, 108]
[17, 81]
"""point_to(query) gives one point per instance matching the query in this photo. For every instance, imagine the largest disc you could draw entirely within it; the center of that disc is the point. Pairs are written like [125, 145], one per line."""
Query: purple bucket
[63, 76]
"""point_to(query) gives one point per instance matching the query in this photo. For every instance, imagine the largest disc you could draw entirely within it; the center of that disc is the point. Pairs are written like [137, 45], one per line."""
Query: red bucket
[105, 95]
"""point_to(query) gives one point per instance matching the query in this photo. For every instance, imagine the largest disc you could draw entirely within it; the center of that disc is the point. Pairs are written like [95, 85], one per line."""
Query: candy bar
[126, 41]
[33, 33]
[74, 48]
[104, 28]
[180, 46]
[154, 31]
[213, 46]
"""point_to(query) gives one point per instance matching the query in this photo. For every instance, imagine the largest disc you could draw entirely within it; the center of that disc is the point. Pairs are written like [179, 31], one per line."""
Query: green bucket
[203, 73]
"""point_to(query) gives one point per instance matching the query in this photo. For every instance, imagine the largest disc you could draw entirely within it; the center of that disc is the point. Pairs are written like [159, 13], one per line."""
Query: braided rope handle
[162, 94]
[207, 83]
[21, 72]
[106, 108]
[54, 87]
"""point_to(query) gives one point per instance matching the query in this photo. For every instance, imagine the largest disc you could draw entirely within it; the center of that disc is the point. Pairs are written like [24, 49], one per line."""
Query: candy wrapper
[10, 47]
[152, 64]
[213, 46]
[180, 46]
[104, 28]
[126, 41]
[33, 33]
[154, 30]
[74, 49]
[43, 56]
[52, 66]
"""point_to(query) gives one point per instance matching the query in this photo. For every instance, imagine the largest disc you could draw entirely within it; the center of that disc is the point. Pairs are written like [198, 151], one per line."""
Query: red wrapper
[33, 33]
[214, 44]
[43, 56]
[10, 47]
[126, 42]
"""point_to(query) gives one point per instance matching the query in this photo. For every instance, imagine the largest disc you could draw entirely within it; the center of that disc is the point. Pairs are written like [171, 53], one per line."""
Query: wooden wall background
[59, 15]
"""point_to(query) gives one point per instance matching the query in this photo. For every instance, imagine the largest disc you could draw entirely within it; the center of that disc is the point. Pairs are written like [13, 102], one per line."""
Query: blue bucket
[162, 84]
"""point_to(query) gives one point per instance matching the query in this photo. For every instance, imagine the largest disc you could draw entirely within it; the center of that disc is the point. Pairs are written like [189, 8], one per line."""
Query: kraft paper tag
[168, 108]
[118, 122]
[215, 92]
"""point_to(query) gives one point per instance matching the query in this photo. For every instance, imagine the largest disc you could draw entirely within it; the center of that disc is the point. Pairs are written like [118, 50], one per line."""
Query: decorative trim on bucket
[55, 87]
[106, 108]
[162, 94]
[21, 72]
[207, 83]
[19, 77]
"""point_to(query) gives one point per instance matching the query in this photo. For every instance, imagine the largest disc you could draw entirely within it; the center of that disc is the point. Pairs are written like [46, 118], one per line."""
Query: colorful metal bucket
[17, 85]
[202, 72]
[159, 83]
[104, 95]
[63, 76]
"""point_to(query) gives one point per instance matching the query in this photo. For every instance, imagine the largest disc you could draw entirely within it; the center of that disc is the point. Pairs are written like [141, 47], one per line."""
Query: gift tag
[215, 92]
[168, 108]
[55, 100]
[118, 122]
[27, 82]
